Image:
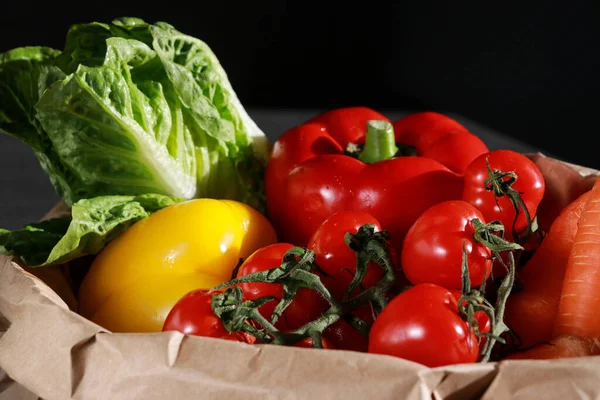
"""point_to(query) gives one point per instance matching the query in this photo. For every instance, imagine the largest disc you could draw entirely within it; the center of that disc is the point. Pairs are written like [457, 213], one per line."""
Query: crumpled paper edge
[11, 390]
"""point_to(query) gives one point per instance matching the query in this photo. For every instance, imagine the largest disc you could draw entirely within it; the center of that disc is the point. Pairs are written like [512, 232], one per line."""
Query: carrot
[561, 347]
[579, 306]
[531, 313]
[563, 185]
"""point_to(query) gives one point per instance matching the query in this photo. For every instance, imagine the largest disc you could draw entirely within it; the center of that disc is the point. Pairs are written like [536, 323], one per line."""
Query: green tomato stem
[299, 270]
[490, 235]
[500, 183]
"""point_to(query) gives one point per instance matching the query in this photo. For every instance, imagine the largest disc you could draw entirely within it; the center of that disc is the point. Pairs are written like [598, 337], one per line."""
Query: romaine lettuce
[129, 108]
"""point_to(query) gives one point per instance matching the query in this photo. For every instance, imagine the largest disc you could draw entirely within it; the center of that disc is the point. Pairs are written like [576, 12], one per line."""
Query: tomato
[138, 277]
[433, 248]
[307, 305]
[333, 255]
[308, 343]
[193, 315]
[422, 324]
[483, 320]
[344, 337]
[530, 184]
[338, 261]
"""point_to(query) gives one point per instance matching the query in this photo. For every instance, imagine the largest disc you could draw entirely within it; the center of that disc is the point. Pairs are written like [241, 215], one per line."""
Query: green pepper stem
[380, 142]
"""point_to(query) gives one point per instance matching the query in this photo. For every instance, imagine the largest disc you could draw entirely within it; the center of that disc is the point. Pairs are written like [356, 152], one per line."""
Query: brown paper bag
[53, 353]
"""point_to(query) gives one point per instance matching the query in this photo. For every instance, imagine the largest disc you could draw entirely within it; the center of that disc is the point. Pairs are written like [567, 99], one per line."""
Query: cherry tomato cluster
[425, 323]
[337, 267]
[454, 213]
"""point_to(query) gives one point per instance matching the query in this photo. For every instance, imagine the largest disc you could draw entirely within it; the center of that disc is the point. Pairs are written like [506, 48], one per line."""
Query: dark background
[529, 71]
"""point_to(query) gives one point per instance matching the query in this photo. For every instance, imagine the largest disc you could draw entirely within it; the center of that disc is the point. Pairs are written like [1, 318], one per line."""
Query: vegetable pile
[407, 238]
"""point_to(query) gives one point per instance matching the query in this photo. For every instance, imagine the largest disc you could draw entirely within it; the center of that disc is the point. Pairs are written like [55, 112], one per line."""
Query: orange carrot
[563, 185]
[579, 306]
[561, 347]
[531, 313]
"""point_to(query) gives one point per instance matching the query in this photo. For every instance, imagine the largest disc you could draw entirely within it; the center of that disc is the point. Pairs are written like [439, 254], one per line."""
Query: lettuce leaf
[134, 108]
[93, 224]
[33, 243]
[120, 137]
[25, 73]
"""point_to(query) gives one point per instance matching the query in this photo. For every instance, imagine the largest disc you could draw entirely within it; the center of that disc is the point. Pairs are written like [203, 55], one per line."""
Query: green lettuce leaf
[139, 108]
[223, 148]
[33, 243]
[93, 224]
[86, 43]
[120, 135]
[25, 73]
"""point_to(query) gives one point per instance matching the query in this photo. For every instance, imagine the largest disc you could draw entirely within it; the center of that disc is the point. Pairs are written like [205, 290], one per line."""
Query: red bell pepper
[351, 159]
[440, 137]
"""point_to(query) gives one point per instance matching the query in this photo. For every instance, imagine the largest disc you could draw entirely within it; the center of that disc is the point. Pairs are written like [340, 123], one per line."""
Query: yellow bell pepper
[137, 278]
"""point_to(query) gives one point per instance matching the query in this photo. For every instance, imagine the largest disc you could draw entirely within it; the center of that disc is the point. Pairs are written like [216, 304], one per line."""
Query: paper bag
[48, 351]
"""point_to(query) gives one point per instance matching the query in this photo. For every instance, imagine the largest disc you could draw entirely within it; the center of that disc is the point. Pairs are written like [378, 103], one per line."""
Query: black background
[528, 70]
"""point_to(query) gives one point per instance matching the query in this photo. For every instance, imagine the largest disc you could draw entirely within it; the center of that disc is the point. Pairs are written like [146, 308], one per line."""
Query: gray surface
[26, 193]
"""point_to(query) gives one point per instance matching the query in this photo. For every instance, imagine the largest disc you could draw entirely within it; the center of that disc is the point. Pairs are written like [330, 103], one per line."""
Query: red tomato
[307, 342]
[193, 315]
[422, 324]
[344, 337]
[530, 184]
[335, 258]
[338, 261]
[483, 320]
[307, 305]
[433, 247]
